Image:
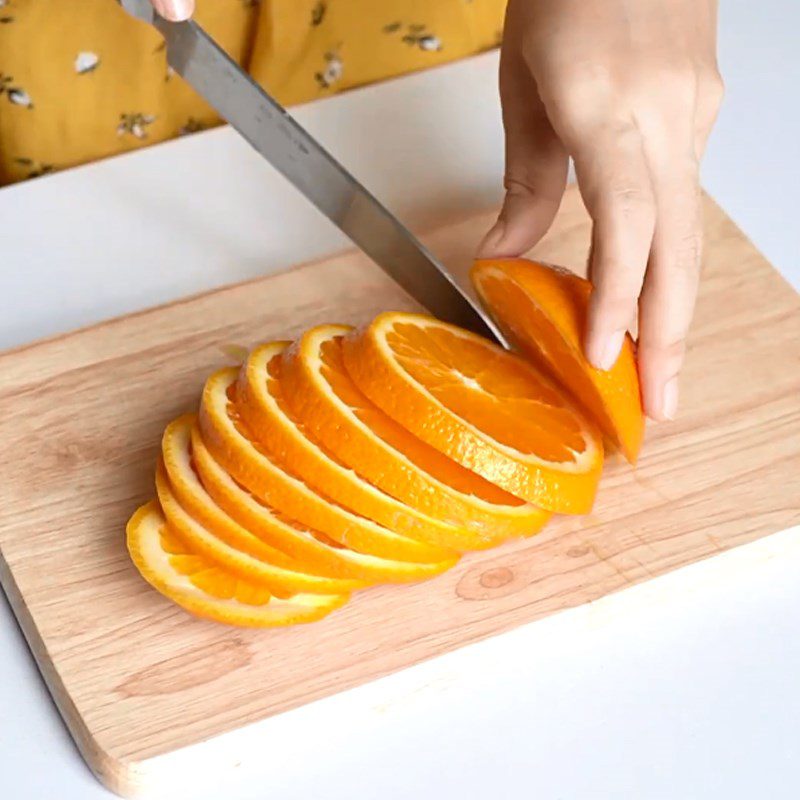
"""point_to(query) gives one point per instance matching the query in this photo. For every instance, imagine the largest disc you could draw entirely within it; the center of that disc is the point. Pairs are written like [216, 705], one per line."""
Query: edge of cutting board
[117, 774]
[166, 775]
[131, 776]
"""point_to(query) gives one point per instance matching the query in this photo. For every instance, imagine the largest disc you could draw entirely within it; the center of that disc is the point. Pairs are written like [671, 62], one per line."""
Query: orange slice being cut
[263, 405]
[207, 590]
[226, 436]
[211, 533]
[321, 394]
[542, 311]
[482, 406]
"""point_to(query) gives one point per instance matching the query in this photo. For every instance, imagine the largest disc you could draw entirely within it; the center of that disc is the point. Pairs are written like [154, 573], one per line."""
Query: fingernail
[490, 243]
[174, 10]
[603, 351]
[669, 398]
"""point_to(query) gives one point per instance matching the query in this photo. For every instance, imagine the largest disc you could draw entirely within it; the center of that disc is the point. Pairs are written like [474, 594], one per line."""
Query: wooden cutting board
[136, 679]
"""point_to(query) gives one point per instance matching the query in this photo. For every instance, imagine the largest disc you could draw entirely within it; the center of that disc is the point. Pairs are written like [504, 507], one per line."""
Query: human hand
[174, 10]
[630, 90]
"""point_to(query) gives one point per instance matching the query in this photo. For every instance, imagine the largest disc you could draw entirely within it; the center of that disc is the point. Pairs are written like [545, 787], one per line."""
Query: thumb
[536, 164]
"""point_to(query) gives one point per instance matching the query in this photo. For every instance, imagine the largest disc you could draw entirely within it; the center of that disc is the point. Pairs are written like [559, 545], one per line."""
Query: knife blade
[305, 163]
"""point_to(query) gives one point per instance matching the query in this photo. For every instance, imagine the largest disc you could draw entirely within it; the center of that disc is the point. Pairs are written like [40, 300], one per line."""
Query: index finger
[615, 183]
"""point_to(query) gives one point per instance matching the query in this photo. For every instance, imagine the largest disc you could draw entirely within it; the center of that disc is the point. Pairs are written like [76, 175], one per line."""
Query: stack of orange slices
[352, 457]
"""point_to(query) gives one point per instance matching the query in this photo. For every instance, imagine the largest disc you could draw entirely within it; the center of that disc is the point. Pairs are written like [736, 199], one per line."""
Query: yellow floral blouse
[81, 80]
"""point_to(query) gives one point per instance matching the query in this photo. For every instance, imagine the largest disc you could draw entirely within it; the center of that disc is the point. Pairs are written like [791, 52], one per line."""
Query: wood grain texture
[136, 678]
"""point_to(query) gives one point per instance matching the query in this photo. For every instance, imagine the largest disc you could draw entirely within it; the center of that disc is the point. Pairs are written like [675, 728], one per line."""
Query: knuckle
[578, 89]
[689, 252]
[620, 298]
[667, 353]
[628, 200]
[517, 186]
[586, 76]
[711, 88]
[677, 256]
[672, 84]
[628, 195]
[533, 185]
[622, 132]
[617, 296]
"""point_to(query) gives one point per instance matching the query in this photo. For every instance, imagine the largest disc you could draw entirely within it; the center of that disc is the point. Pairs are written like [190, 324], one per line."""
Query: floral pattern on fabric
[81, 80]
[191, 125]
[6, 15]
[318, 12]
[416, 35]
[34, 168]
[135, 124]
[15, 95]
[86, 61]
[332, 73]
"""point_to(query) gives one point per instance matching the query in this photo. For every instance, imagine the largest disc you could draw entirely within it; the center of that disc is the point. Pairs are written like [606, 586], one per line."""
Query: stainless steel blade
[267, 126]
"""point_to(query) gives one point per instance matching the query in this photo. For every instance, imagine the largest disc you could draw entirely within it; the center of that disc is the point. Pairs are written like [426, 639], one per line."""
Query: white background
[684, 689]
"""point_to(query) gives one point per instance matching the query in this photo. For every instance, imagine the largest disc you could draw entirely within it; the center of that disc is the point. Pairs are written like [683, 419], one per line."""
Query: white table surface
[683, 688]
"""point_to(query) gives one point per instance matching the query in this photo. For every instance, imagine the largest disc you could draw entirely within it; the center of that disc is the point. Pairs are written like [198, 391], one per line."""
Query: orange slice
[542, 312]
[233, 447]
[205, 589]
[333, 409]
[321, 554]
[210, 532]
[261, 400]
[482, 406]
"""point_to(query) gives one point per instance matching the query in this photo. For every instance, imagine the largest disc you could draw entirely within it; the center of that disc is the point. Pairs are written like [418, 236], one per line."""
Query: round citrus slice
[542, 311]
[321, 393]
[313, 548]
[486, 408]
[231, 444]
[261, 400]
[201, 587]
[185, 485]
[209, 531]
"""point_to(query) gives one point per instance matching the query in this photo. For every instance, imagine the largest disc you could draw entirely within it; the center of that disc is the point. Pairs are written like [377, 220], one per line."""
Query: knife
[267, 126]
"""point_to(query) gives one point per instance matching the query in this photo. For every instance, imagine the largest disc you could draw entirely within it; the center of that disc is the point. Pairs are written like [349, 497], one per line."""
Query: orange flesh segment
[542, 311]
[225, 435]
[206, 590]
[263, 405]
[484, 407]
[322, 394]
[488, 390]
[423, 456]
